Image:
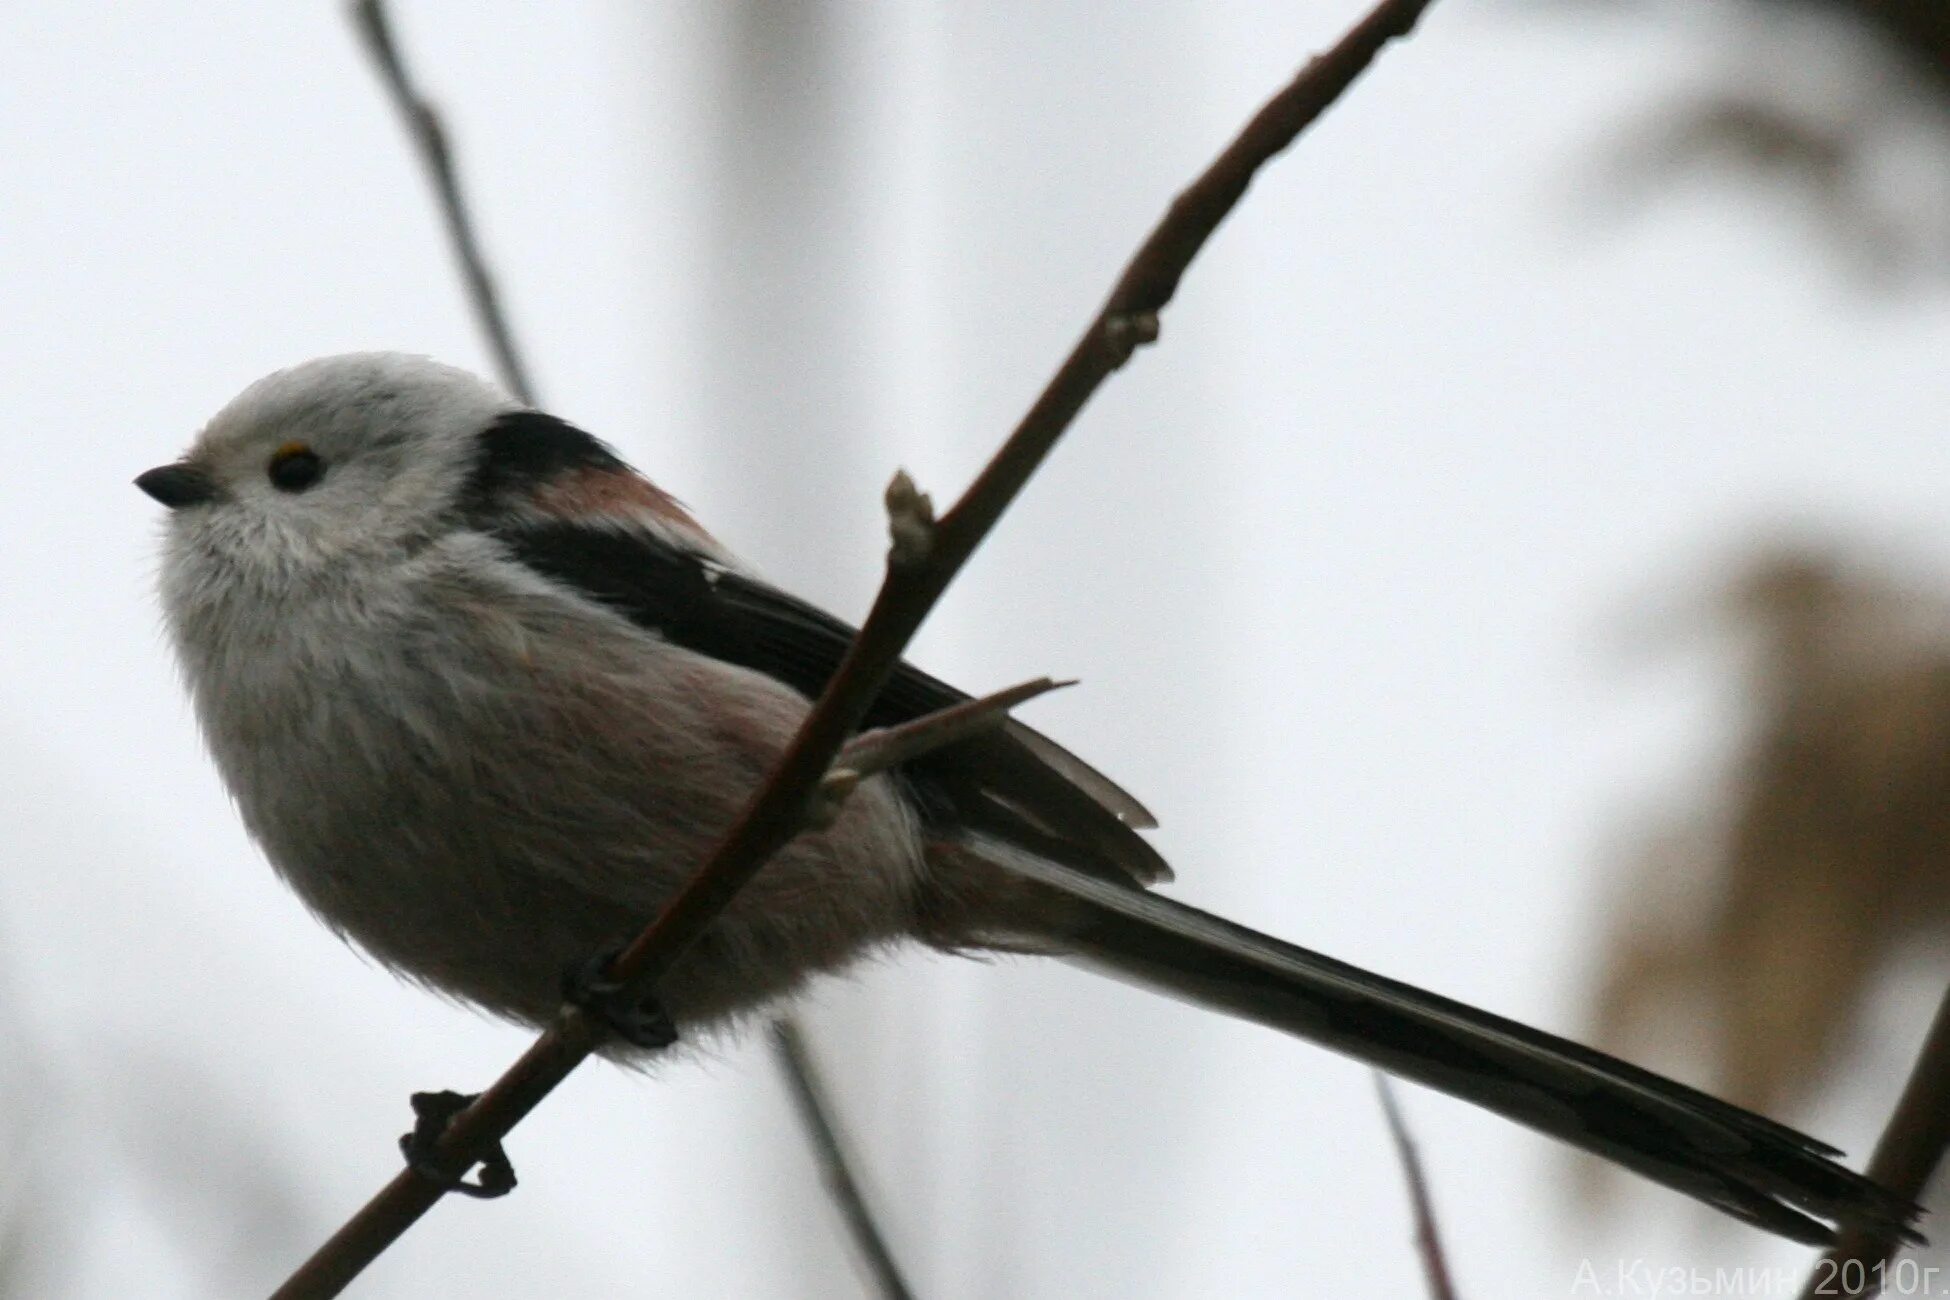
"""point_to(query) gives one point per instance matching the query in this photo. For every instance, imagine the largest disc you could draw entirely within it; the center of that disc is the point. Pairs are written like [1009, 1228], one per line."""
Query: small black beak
[178, 485]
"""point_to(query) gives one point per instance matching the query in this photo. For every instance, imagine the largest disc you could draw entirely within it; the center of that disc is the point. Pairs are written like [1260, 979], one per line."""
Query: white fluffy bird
[485, 695]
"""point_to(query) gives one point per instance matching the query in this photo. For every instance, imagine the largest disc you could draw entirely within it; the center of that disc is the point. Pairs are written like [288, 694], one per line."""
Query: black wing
[1012, 783]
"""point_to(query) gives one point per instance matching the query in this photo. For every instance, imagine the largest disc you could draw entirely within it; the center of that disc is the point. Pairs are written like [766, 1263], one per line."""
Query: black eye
[295, 467]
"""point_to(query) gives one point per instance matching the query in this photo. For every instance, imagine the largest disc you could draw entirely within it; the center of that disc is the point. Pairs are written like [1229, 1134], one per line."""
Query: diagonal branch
[1905, 1159]
[914, 583]
[920, 568]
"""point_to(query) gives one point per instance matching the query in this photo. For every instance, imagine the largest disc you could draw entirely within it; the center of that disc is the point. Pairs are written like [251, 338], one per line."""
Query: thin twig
[889, 747]
[1428, 1236]
[428, 133]
[1908, 1154]
[915, 580]
[885, 747]
[813, 1106]
[429, 136]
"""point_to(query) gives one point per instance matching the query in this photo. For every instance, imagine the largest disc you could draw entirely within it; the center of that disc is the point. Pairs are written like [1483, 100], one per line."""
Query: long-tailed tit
[486, 696]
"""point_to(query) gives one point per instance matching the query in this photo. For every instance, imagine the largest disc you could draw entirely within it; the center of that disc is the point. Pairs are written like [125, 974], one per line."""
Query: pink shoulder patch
[616, 493]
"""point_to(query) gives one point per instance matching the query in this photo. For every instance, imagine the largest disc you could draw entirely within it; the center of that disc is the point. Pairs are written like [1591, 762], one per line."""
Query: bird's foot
[432, 1113]
[637, 1019]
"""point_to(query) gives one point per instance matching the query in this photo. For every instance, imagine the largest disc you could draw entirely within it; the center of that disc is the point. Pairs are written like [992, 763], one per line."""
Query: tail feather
[1750, 1167]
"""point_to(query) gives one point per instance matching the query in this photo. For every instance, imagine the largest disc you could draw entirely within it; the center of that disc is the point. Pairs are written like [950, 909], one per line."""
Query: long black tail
[1750, 1167]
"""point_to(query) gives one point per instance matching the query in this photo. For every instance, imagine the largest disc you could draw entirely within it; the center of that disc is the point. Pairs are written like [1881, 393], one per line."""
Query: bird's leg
[432, 1113]
[637, 1019]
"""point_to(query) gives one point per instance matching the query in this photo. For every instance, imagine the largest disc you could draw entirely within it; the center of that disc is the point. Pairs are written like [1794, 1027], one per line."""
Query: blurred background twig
[1835, 104]
[428, 132]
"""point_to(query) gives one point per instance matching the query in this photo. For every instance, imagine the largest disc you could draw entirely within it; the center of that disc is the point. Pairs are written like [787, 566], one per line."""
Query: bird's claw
[638, 1020]
[432, 1113]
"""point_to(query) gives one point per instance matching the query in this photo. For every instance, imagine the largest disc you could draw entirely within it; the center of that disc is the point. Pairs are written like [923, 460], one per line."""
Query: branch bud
[910, 523]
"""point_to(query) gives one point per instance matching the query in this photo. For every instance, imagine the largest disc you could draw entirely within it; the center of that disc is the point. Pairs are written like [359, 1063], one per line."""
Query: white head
[344, 456]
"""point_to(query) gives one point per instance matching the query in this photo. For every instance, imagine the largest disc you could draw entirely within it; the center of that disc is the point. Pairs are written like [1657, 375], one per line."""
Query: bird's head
[337, 461]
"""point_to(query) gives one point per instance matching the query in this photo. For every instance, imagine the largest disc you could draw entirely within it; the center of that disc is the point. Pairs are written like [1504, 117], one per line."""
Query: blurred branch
[924, 560]
[429, 135]
[1919, 30]
[1428, 1236]
[814, 1107]
[1834, 103]
[1906, 1157]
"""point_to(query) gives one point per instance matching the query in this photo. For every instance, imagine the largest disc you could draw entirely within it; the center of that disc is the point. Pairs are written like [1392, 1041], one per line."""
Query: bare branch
[1428, 1236]
[814, 1107]
[1906, 1157]
[909, 592]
